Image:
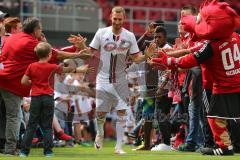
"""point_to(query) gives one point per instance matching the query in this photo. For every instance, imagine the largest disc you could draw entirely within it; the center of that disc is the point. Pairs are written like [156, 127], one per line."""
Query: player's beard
[117, 27]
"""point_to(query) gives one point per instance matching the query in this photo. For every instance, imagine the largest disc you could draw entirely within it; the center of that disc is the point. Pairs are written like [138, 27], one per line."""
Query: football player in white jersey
[115, 43]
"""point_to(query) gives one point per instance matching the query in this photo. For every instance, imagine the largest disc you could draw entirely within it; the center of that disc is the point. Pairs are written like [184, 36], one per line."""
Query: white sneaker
[98, 144]
[161, 147]
[119, 151]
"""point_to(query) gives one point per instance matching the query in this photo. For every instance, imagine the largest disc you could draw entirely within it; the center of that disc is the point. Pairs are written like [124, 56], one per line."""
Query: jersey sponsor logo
[117, 48]
[223, 45]
[233, 72]
[110, 46]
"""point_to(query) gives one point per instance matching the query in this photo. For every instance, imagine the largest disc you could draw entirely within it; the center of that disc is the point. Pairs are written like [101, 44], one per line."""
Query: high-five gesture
[85, 69]
[85, 54]
[78, 41]
[150, 50]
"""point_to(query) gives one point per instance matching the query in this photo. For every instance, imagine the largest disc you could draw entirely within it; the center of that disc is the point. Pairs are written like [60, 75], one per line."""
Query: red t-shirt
[39, 74]
[183, 42]
[19, 49]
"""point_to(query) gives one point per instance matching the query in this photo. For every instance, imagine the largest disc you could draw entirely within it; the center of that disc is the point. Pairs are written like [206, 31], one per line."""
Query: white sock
[99, 127]
[120, 128]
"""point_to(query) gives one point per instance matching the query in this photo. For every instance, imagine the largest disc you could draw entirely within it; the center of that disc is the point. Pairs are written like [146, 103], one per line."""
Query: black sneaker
[217, 151]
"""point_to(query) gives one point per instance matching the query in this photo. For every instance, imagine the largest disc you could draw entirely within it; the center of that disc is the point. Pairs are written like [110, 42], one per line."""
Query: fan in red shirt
[19, 49]
[37, 76]
[220, 54]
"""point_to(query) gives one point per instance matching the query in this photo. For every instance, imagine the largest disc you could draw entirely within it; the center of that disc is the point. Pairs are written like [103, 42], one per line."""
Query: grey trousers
[10, 130]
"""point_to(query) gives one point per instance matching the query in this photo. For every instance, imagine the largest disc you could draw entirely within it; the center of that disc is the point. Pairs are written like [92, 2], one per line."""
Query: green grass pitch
[89, 153]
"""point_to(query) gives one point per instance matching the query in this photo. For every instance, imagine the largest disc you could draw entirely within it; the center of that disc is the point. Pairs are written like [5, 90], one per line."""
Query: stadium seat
[170, 16]
[155, 15]
[147, 3]
[166, 3]
[138, 28]
[139, 14]
[126, 25]
[106, 13]
[101, 2]
[175, 4]
[125, 2]
[139, 3]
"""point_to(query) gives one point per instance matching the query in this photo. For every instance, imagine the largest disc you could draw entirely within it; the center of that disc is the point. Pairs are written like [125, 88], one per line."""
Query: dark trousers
[10, 118]
[208, 137]
[2, 123]
[41, 113]
[162, 115]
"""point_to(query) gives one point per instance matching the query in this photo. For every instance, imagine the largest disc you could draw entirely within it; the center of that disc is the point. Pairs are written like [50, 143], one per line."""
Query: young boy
[42, 102]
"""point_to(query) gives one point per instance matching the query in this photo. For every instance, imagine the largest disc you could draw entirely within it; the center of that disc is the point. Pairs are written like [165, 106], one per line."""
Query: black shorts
[226, 106]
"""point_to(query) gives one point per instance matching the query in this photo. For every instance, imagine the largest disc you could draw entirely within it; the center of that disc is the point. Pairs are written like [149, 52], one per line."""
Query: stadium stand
[88, 15]
[64, 15]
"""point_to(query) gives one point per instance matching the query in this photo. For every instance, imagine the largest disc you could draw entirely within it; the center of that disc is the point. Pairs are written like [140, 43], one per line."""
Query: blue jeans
[195, 135]
[196, 132]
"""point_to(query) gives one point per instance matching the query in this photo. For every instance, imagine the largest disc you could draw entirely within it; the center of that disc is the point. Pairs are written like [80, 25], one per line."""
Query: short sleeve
[54, 56]
[58, 69]
[28, 71]
[96, 40]
[134, 47]
[71, 48]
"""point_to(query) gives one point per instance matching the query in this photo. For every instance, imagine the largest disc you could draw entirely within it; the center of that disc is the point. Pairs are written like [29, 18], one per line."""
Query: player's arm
[178, 53]
[83, 54]
[81, 69]
[197, 57]
[182, 52]
[139, 57]
[25, 80]
[79, 42]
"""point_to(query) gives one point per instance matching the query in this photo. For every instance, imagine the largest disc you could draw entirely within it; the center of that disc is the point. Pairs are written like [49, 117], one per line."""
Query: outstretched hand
[85, 69]
[150, 30]
[85, 54]
[162, 58]
[159, 63]
[150, 50]
[78, 40]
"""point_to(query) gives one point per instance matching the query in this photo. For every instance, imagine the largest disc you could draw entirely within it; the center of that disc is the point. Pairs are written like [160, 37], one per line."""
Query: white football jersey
[113, 53]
